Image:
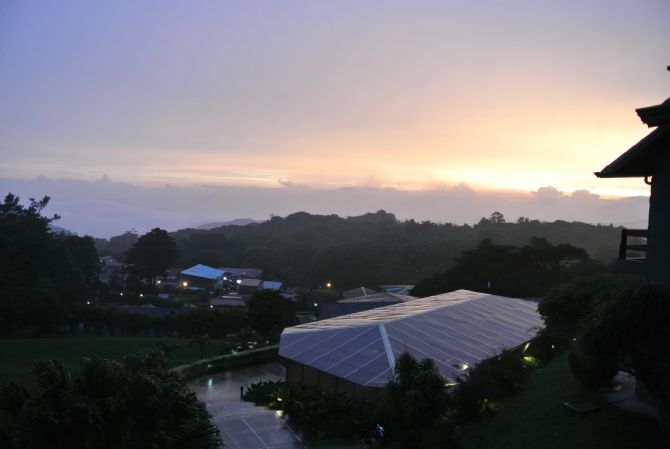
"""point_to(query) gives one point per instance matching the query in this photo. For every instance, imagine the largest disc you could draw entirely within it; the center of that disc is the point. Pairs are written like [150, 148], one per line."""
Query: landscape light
[88, 302]
[464, 366]
[239, 281]
[121, 294]
[184, 284]
[211, 306]
[316, 304]
[158, 281]
[328, 284]
[141, 295]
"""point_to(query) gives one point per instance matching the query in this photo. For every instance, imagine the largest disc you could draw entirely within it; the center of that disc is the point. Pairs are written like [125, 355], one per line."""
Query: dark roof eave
[638, 161]
[655, 115]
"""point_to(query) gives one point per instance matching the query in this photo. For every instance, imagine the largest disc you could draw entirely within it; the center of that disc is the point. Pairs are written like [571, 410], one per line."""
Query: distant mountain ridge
[372, 249]
[235, 222]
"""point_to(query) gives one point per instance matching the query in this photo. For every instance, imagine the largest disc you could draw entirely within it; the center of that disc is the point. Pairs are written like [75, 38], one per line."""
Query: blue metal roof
[203, 271]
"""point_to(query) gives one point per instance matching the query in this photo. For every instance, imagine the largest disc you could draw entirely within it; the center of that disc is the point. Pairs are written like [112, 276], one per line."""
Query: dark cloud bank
[104, 208]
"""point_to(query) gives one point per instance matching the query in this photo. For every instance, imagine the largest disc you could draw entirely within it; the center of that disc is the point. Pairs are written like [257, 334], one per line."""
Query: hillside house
[647, 251]
[201, 277]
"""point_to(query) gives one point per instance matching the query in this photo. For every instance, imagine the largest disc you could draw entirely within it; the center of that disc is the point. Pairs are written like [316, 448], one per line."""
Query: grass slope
[536, 419]
[17, 355]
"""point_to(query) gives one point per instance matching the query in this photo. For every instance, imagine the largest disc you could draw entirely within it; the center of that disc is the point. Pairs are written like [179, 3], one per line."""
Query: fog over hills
[104, 208]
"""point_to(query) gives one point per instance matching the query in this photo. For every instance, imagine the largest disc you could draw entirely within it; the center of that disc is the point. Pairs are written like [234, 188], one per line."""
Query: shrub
[477, 394]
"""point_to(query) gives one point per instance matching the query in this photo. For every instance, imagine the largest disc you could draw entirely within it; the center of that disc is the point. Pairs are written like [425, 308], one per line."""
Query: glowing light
[184, 284]
[464, 366]
[211, 306]
[239, 281]
[526, 346]
[530, 360]
[328, 284]
[141, 295]
[158, 281]
[279, 413]
[88, 302]
[316, 304]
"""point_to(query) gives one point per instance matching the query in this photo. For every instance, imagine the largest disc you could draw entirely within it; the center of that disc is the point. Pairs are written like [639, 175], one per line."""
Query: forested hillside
[372, 249]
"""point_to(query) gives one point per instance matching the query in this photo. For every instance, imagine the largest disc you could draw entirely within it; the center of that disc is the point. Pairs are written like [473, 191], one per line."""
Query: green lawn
[536, 419]
[16, 355]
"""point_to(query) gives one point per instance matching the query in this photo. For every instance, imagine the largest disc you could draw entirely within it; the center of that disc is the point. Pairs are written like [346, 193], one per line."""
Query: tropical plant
[105, 405]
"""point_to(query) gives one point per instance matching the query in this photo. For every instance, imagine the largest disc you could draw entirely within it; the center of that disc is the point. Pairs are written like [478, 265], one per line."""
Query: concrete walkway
[242, 424]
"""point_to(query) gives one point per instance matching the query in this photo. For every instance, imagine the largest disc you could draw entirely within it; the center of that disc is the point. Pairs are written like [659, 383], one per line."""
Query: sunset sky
[413, 96]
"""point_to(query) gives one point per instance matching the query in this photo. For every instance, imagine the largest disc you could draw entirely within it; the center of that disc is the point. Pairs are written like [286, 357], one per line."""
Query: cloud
[584, 194]
[290, 184]
[105, 207]
[548, 193]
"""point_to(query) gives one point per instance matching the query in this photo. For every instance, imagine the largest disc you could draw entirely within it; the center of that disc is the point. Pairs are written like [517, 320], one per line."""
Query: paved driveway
[242, 424]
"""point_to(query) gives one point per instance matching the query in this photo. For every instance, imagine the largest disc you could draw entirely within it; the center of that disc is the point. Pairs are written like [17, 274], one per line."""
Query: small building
[201, 277]
[361, 303]
[271, 285]
[110, 268]
[229, 301]
[647, 251]
[233, 274]
[356, 353]
[247, 287]
[358, 292]
[400, 289]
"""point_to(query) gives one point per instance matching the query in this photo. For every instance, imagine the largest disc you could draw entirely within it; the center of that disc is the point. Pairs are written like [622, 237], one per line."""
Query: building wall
[299, 374]
[658, 240]
[205, 284]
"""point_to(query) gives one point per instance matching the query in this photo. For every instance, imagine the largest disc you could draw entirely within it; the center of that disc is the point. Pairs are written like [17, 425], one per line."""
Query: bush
[565, 307]
[321, 414]
[592, 369]
[478, 393]
[106, 404]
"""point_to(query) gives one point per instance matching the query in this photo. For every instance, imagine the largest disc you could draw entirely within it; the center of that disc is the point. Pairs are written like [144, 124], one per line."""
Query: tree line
[307, 250]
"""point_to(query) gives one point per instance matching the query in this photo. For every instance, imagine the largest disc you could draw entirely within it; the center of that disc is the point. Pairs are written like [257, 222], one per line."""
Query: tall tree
[41, 272]
[414, 403]
[269, 313]
[153, 253]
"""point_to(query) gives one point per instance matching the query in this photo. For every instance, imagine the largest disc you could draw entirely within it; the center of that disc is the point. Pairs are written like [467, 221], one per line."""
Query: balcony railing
[633, 246]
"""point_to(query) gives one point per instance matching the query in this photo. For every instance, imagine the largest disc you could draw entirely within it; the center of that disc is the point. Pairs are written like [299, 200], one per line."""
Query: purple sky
[281, 106]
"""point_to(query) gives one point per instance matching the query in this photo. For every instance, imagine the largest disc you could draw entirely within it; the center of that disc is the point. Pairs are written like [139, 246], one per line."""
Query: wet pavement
[244, 425]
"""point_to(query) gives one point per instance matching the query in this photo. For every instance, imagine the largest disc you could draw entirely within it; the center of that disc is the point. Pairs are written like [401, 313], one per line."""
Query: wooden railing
[625, 246]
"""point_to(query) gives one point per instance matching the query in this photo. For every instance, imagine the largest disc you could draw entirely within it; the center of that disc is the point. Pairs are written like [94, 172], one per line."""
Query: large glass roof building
[457, 330]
